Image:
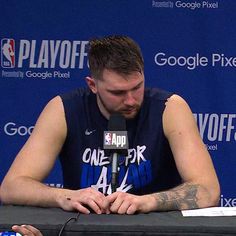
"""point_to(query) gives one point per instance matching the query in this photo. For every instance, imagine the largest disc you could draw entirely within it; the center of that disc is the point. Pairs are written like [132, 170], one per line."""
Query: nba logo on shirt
[107, 139]
[8, 53]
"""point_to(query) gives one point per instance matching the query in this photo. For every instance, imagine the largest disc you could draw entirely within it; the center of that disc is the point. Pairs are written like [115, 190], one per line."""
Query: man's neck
[102, 109]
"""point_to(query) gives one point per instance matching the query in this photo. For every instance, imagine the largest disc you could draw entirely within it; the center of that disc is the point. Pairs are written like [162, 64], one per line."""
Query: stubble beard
[129, 112]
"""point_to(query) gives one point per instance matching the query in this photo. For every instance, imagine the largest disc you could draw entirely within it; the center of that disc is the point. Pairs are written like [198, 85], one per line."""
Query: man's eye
[137, 87]
[117, 93]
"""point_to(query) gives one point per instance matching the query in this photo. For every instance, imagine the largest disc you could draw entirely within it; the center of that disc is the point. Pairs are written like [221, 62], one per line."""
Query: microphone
[116, 143]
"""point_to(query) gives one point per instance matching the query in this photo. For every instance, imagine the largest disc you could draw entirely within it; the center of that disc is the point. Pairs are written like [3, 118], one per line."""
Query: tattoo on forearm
[179, 198]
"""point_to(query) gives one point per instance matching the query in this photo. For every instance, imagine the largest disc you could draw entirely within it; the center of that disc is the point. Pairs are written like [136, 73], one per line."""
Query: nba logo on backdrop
[8, 53]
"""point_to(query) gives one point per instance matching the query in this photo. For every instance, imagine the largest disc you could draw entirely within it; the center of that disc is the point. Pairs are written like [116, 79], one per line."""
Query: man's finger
[94, 206]
[131, 210]
[26, 230]
[80, 208]
[33, 230]
[116, 204]
[111, 198]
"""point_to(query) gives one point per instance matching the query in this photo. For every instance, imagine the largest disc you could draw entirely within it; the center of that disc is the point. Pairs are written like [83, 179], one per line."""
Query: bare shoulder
[177, 114]
[52, 114]
[50, 129]
[54, 105]
[176, 102]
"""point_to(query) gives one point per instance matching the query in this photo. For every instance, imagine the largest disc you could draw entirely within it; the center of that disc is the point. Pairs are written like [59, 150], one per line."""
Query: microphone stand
[114, 172]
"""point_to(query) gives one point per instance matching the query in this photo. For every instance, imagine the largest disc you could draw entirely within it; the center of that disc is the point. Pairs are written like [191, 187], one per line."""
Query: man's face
[119, 93]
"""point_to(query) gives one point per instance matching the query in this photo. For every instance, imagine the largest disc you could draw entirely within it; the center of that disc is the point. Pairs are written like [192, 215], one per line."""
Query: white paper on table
[211, 211]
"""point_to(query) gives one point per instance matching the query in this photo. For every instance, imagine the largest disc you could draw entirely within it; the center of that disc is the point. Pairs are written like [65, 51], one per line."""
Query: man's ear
[91, 84]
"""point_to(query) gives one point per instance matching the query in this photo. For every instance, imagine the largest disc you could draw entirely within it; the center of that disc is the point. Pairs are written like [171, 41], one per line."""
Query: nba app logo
[8, 53]
[108, 139]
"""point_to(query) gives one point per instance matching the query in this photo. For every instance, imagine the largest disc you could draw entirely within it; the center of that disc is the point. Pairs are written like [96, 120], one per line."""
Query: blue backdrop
[188, 48]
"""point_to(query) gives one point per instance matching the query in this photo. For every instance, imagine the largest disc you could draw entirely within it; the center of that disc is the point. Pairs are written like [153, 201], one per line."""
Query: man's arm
[23, 183]
[200, 186]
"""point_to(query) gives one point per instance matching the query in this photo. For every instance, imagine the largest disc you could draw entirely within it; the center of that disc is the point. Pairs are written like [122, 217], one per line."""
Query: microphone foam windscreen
[116, 122]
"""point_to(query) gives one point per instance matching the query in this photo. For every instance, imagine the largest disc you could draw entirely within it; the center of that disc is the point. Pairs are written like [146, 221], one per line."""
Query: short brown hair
[117, 53]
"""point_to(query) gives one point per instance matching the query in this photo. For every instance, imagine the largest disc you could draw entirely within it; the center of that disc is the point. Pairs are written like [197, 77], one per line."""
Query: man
[167, 167]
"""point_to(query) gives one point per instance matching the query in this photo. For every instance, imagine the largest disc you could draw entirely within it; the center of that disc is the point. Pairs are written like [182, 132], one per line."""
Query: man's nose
[129, 99]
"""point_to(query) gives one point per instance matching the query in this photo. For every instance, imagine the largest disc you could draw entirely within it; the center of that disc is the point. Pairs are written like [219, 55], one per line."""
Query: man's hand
[26, 230]
[85, 199]
[126, 203]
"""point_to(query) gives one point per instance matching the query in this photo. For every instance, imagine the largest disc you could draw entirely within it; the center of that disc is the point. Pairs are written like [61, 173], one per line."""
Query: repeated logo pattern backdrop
[188, 48]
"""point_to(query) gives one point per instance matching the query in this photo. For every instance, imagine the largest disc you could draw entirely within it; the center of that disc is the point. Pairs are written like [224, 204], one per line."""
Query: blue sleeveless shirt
[149, 166]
